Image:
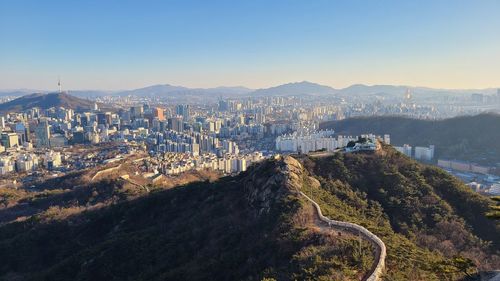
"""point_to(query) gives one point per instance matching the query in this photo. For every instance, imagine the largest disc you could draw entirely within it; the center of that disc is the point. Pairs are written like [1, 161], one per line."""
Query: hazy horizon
[119, 45]
[54, 88]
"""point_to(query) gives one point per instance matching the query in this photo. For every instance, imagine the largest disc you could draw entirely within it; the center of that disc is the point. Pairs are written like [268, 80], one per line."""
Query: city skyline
[125, 45]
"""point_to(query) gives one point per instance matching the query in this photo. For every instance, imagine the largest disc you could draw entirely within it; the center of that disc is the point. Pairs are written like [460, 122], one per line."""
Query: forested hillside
[248, 227]
[471, 138]
[256, 226]
[421, 212]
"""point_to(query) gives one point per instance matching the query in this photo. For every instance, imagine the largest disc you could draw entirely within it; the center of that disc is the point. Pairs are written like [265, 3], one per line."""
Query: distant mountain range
[45, 101]
[169, 90]
[289, 89]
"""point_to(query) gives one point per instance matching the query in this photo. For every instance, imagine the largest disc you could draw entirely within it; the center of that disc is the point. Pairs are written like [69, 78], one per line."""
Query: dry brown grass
[60, 213]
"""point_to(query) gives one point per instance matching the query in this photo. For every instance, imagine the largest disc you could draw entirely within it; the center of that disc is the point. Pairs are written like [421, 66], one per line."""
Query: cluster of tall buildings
[60, 126]
[194, 143]
[27, 132]
[222, 128]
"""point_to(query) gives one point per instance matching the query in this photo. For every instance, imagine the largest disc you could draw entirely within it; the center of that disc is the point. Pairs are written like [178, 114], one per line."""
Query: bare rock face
[271, 181]
[294, 172]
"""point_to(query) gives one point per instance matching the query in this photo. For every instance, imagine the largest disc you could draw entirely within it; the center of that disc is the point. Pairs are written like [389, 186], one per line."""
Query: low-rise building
[424, 153]
[405, 149]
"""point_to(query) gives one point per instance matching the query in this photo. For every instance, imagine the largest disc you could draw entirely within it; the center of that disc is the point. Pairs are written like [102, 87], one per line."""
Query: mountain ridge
[296, 88]
[291, 88]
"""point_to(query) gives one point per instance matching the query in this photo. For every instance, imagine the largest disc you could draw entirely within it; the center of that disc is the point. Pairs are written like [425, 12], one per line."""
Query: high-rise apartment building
[158, 113]
[10, 140]
[136, 111]
[183, 110]
[175, 124]
[42, 133]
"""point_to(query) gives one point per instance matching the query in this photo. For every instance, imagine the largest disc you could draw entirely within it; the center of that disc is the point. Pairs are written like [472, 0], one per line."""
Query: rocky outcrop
[271, 181]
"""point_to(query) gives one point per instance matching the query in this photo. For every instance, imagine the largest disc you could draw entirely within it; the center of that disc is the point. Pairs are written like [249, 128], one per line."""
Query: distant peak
[303, 83]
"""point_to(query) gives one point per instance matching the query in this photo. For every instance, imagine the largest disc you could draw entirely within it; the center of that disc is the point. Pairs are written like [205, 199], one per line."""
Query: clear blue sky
[106, 44]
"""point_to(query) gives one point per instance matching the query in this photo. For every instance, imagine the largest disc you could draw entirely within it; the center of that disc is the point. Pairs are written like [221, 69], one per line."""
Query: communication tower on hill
[59, 84]
[408, 94]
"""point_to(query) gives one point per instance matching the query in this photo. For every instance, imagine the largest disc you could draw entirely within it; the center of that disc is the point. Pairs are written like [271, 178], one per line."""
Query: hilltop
[464, 138]
[298, 88]
[257, 225]
[45, 101]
